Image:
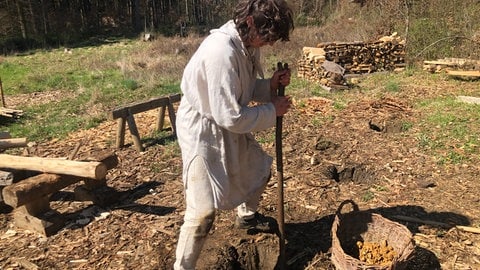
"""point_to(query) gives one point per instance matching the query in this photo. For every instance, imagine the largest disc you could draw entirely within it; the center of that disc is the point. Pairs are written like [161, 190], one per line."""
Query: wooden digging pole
[278, 148]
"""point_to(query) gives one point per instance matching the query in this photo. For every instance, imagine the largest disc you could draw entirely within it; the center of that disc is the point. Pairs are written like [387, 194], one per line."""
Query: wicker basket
[356, 226]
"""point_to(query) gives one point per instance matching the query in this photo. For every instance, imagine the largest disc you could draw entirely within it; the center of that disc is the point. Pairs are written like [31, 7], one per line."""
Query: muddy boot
[258, 223]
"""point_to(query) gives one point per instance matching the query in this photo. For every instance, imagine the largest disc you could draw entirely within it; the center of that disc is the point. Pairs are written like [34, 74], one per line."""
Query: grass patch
[91, 81]
[449, 130]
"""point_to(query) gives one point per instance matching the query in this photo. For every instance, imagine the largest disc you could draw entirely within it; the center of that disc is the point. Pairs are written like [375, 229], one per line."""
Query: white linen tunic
[215, 121]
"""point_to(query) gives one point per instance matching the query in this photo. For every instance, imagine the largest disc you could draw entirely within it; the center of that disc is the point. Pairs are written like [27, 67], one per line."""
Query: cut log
[6, 178]
[13, 143]
[5, 135]
[37, 216]
[36, 187]
[88, 169]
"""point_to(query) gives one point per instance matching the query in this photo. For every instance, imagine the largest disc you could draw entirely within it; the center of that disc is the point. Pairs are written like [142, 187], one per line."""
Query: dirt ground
[359, 153]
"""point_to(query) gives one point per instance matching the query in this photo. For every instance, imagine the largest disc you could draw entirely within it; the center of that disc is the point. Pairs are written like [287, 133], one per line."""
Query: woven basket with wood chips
[349, 228]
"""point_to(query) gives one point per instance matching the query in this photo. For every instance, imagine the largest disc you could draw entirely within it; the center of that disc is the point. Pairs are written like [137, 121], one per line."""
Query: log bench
[125, 114]
[30, 197]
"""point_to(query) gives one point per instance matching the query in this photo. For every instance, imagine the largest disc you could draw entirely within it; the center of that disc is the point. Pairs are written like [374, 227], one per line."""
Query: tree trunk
[21, 19]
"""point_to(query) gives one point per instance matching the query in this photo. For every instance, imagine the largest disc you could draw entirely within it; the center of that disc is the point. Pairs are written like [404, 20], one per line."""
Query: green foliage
[368, 196]
[392, 86]
[12, 75]
[406, 126]
[421, 42]
[129, 84]
[339, 105]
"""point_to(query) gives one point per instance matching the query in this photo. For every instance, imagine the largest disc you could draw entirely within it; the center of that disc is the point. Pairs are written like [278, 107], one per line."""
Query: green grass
[450, 129]
[91, 82]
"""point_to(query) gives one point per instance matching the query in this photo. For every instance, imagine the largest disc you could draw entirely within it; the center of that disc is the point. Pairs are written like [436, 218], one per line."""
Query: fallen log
[87, 169]
[13, 143]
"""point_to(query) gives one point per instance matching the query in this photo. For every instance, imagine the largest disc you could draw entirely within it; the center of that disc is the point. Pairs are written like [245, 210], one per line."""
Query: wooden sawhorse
[124, 114]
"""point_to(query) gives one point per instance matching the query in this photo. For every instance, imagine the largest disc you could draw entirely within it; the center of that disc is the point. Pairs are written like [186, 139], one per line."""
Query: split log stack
[385, 54]
[10, 113]
[454, 66]
[28, 183]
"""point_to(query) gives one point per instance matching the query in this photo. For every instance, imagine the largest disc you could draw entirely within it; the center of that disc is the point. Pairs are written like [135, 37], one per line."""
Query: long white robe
[215, 122]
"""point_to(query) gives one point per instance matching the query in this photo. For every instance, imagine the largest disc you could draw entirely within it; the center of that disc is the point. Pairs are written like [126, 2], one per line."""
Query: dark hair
[273, 19]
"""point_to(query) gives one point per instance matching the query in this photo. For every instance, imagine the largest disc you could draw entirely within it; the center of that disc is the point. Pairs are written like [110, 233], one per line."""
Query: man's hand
[280, 77]
[282, 104]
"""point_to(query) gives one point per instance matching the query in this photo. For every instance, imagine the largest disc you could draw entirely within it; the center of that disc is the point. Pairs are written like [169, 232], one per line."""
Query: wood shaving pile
[376, 253]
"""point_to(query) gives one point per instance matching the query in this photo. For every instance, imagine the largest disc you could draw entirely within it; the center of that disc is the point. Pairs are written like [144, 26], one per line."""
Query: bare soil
[360, 153]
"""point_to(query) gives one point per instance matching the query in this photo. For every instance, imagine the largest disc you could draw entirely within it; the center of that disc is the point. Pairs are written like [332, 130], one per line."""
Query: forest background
[433, 28]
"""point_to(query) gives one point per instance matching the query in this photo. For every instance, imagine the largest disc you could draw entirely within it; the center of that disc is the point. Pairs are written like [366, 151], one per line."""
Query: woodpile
[450, 64]
[385, 54]
[456, 67]
[27, 183]
[10, 113]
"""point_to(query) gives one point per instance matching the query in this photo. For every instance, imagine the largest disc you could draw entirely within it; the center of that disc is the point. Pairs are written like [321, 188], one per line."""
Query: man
[224, 167]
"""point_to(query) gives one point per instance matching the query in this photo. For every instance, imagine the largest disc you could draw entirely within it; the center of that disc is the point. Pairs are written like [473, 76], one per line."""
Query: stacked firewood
[386, 54]
[10, 113]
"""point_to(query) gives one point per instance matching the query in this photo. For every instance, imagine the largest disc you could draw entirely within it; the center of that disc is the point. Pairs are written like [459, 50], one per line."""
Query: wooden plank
[174, 98]
[138, 107]
[467, 99]
[466, 73]
[37, 216]
[439, 62]
[88, 169]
